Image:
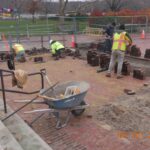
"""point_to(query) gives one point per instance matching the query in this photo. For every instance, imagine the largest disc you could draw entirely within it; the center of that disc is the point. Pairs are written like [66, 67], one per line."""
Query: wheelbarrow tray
[69, 102]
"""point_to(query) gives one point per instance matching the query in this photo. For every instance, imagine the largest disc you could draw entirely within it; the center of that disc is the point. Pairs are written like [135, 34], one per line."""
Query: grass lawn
[24, 26]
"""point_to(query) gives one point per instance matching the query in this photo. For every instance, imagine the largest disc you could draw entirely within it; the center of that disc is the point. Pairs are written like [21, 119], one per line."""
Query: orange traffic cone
[73, 42]
[143, 35]
[5, 42]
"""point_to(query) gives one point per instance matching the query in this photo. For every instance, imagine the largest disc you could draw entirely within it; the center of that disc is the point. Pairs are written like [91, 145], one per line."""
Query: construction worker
[121, 40]
[56, 49]
[109, 31]
[19, 52]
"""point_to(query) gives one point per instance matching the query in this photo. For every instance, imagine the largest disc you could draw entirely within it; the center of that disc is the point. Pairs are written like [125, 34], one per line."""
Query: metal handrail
[10, 73]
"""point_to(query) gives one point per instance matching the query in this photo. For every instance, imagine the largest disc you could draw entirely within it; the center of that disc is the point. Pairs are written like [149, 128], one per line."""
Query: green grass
[39, 27]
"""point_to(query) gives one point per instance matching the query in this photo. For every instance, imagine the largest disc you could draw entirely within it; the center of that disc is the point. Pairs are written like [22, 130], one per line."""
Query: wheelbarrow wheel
[78, 112]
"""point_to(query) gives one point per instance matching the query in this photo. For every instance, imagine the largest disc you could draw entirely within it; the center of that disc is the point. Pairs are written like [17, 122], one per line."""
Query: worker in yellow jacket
[19, 52]
[120, 41]
[56, 49]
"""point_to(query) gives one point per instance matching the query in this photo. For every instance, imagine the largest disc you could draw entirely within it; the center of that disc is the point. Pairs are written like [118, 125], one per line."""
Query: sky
[68, 0]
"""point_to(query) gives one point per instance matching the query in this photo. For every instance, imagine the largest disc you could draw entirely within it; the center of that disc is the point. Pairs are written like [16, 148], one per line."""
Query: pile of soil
[130, 115]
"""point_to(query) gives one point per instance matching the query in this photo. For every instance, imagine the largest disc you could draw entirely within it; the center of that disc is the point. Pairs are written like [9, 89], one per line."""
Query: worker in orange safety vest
[121, 40]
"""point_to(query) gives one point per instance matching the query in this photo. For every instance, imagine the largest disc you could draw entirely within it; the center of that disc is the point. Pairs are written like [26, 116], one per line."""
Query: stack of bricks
[92, 58]
[27, 51]
[139, 74]
[126, 68]
[101, 46]
[93, 46]
[77, 53]
[104, 60]
[36, 51]
[147, 54]
[38, 59]
[135, 51]
[71, 52]
[68, 52]
[2, 56]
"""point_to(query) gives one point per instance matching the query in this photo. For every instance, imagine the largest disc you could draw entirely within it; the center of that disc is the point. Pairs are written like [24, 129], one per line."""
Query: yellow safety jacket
[18, 48]
[56, 46]
[120, 41]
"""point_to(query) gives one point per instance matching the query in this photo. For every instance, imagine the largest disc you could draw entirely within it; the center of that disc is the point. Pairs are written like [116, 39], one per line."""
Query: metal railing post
[42, 41]
[75, 29]
[3, 91]
[147, 24]
[28, 36]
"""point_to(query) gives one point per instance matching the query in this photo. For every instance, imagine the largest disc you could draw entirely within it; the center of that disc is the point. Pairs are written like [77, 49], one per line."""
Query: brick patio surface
[84, 132]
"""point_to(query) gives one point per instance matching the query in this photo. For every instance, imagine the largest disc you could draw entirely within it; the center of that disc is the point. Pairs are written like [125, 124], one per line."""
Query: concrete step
[7, 141]
[23, 134]
[26, 137]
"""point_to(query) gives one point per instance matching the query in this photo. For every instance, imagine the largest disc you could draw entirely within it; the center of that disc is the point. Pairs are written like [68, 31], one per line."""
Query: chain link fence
[39, 32]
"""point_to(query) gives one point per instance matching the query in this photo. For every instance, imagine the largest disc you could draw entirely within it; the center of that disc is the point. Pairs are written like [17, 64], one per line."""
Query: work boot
[119, 76]
[108, 75]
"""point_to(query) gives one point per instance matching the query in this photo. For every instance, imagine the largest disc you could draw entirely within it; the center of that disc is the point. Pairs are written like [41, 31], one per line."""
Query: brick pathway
[84, 132]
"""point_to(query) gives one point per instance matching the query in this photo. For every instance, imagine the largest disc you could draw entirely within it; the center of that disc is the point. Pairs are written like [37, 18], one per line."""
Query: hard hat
[50, 41]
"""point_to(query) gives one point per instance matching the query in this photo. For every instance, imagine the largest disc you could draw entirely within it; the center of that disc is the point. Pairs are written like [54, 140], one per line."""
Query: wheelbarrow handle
[43, 71]
[28, 102]
[47, 97]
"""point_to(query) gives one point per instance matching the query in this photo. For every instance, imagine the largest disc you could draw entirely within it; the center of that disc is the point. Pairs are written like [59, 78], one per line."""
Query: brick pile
[2, 56]
[126, 68]
[98, 46]
[104, 60]
[38, 59]
[72, 52]
[135, 51]
[147, 54]
[36, 51]
[93, 58]
[93, 46]
[139, 74]
[101, 46]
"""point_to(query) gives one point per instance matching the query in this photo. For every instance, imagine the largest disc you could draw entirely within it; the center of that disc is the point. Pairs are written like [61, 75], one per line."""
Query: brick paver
[84, 132]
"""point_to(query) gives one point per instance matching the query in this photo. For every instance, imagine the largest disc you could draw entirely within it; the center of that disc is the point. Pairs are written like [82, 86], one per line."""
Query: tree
[18, 5]
[33, 8]
[115, 5]
[84, 5]
[62, 7]
[46, 7]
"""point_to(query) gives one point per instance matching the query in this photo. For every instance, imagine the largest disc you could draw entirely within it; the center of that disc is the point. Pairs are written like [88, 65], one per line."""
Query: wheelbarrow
[68, 96]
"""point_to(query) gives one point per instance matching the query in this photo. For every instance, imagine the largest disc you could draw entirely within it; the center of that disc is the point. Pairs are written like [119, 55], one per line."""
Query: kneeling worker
[19, 52]
[56, 48]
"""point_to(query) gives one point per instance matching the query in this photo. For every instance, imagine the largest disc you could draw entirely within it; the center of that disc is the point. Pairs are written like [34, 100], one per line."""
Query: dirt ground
[106, 116]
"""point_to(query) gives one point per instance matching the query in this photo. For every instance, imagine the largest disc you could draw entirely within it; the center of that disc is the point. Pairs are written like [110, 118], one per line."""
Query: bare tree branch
[62, 7]
[33, 8]
[84, 5]
[115, 5]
